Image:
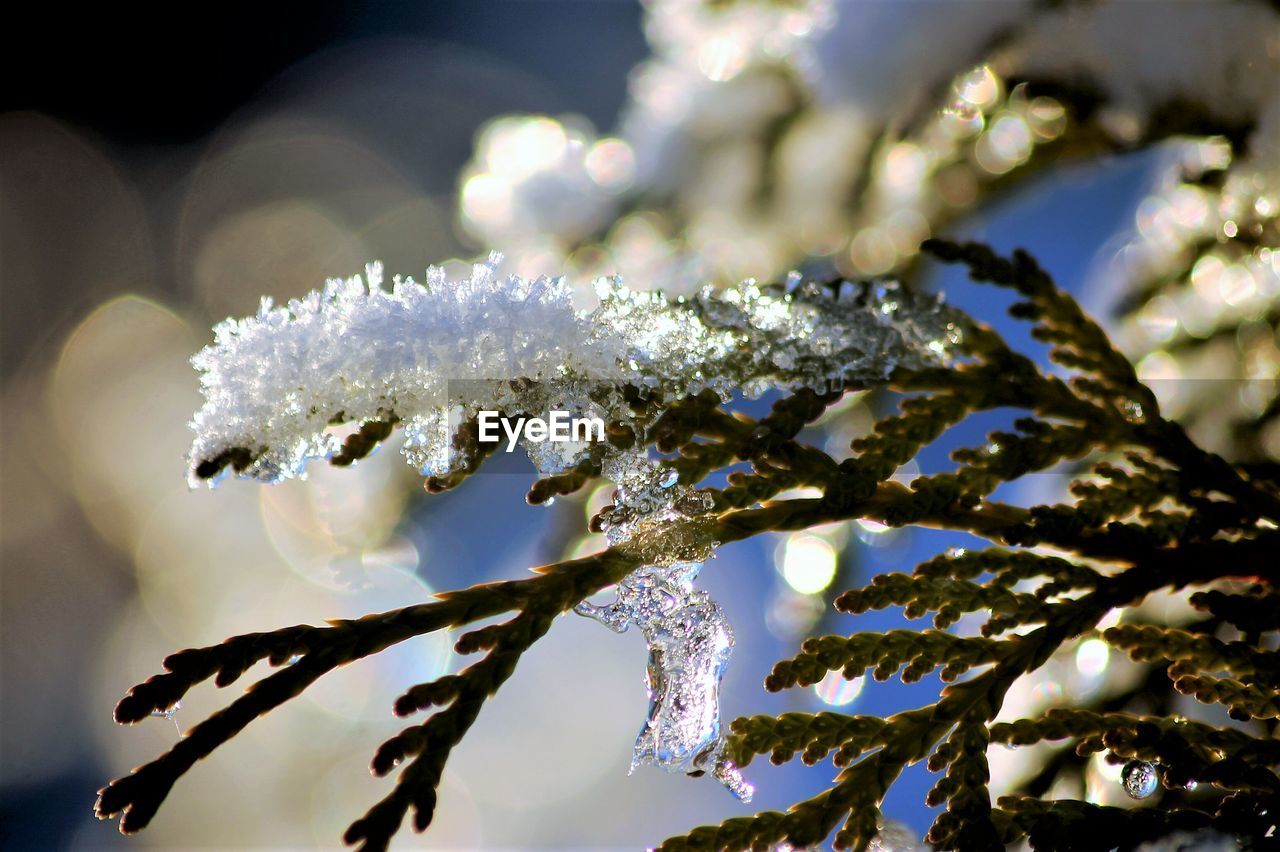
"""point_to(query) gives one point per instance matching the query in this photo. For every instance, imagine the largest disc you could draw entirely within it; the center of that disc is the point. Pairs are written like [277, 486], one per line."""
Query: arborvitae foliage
[1149, 511]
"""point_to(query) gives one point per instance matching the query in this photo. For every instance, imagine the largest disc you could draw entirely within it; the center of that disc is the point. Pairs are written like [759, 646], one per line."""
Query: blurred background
[162, 171]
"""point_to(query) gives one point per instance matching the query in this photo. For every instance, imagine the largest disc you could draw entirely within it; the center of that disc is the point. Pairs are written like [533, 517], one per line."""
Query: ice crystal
[688, 635]
[650, 499]
[689, 645]
[354, 352]
[430, 356]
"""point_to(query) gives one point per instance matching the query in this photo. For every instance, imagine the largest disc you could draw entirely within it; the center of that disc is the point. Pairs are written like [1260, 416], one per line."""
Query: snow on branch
[429, 356]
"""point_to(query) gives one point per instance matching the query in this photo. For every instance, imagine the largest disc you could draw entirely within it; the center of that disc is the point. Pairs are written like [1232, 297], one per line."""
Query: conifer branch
[1151, 512]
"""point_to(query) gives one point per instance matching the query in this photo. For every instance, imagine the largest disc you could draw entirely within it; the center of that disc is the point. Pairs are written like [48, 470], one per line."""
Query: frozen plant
[417, 355]
[1152, 511]
[757, 140]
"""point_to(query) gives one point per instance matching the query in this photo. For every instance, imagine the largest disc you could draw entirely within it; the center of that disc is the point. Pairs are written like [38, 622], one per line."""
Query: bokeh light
[808, 563]
[835, 691]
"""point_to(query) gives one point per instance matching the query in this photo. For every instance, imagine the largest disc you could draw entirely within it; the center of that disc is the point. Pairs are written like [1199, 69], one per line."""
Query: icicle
[689, 646]
[689, 637]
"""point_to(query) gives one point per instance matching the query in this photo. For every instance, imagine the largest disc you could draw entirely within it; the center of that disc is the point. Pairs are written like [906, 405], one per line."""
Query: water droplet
[1139, 779]
[170, 713]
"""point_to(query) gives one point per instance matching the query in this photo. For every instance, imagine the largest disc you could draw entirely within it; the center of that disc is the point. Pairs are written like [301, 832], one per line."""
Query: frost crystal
[430, 356]
[353, 352]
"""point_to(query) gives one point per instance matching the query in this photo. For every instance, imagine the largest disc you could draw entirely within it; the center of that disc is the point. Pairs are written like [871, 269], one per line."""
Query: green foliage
[1151, 511]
